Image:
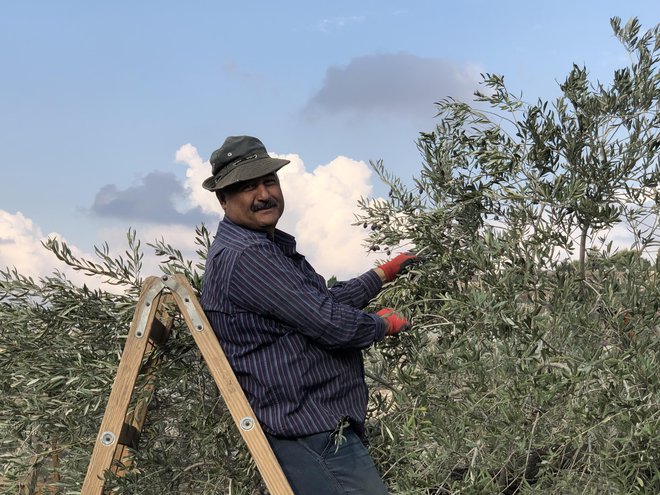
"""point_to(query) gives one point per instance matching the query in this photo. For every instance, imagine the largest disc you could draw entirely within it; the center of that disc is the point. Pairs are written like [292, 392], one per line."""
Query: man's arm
[359, 291]
[270, 284]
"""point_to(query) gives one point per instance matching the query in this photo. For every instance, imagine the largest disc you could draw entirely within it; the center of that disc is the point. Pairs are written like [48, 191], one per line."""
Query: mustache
[264, 205]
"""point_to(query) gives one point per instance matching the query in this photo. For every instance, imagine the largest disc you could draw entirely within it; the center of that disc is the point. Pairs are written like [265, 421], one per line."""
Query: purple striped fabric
[295, 346]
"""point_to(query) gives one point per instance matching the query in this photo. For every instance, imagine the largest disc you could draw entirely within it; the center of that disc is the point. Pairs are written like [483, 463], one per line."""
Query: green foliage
[527, 372]
[59, 350]
[58, 353]
[532, 363]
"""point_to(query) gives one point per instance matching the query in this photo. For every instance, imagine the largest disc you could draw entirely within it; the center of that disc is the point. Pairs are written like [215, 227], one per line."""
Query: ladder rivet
[107, 438]
[187, 299]
[200, 327]
[147, 304]
[247, 423]
[164, 278]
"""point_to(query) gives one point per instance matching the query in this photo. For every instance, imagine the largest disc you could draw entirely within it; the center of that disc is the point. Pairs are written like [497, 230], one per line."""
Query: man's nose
[262, 192]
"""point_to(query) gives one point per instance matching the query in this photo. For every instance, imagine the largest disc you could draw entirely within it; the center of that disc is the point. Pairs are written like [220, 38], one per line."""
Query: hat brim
[245, 171]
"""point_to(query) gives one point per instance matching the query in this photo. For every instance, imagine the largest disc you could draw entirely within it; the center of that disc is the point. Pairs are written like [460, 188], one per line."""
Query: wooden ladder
[121, 428]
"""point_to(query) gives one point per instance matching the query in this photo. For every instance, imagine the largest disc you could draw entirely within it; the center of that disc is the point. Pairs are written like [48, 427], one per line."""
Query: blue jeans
[317, 465]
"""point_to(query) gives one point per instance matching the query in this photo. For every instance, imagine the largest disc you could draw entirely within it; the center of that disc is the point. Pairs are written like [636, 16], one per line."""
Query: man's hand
[395, 322]
[397, 264]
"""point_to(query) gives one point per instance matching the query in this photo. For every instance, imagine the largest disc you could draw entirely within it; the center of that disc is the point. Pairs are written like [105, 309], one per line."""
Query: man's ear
[221, 198]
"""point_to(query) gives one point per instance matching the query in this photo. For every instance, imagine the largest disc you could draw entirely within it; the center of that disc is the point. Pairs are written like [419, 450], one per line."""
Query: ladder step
[129, 436]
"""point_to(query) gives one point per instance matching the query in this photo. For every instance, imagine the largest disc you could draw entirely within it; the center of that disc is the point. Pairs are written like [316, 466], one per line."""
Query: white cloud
[21, 248]
[320, 208]
[338, 23]
[180, 237]
[21, 245]
[197, 171]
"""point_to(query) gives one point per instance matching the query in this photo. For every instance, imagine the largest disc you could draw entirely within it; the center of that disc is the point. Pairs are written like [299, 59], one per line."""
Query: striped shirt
[294, 345]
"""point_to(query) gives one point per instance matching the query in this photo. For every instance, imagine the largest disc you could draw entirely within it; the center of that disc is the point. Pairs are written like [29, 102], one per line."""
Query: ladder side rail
[135, 418]
[122, 389]
[231, 391]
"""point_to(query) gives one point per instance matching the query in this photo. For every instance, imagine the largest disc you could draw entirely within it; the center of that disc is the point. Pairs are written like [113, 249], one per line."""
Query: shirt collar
[284, 240]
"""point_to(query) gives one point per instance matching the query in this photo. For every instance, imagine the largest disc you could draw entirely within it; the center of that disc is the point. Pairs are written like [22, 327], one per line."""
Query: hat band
[233, 165]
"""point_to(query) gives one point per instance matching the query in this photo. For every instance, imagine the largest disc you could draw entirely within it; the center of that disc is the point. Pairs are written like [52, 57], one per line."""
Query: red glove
[395, 322]
[393, 267]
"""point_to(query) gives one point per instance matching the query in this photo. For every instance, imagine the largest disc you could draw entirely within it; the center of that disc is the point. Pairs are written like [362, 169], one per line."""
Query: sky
[109, 111]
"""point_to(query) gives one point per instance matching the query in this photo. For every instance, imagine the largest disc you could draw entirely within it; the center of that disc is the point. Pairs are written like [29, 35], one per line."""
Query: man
[295, 345]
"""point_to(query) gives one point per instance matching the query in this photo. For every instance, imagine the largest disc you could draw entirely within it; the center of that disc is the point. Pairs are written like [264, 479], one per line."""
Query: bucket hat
[240, 158]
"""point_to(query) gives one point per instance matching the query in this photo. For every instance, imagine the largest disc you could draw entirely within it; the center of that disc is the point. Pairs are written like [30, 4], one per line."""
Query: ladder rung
[159, 332]
[129, 436]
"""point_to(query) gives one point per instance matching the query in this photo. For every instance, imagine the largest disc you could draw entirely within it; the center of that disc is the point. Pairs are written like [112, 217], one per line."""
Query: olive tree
[531, 367]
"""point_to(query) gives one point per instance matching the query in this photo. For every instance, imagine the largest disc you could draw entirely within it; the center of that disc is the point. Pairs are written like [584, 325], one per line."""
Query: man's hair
[221, 194]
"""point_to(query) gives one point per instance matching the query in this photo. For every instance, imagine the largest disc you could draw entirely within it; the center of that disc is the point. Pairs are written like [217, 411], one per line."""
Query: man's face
[256, 204]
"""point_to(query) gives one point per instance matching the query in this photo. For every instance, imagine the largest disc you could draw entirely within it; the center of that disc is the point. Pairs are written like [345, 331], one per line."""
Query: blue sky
[97, 98]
